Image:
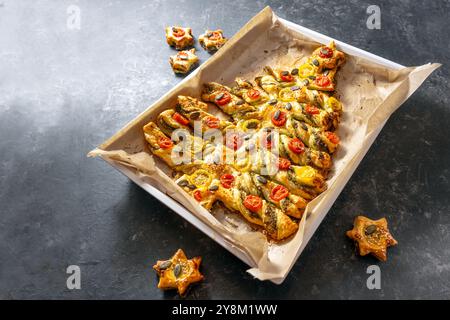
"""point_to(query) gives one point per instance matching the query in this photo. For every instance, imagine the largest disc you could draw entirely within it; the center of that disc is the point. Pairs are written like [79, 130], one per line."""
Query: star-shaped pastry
[372, 236]
[178, 272]
[212, 40]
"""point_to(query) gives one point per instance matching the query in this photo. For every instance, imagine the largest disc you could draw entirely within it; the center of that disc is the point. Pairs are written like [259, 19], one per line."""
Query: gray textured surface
[63, 91]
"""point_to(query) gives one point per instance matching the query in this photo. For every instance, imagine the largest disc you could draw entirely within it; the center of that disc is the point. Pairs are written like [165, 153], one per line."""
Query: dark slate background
[62, 92]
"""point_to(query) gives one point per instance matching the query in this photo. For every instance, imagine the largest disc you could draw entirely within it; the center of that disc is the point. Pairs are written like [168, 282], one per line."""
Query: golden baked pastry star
[178, 272]
[212, 40]
[179, 37]
[372, 236]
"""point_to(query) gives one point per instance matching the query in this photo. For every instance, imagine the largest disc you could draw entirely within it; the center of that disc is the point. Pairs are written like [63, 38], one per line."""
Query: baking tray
[313, 221]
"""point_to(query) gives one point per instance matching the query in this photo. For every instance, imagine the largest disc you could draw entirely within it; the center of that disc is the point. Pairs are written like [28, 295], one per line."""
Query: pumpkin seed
[177, 270]
[165, 264]
[214, 188]
[305, 82]
[252, 125]
[315, 62]
[288, 106]
[326, 72]
[194, 115]
[261, 179]
[272, 101]
[183, 183]
[284, 73]
[240, 102]
[276, 116]
[219, 96]
[324, 51]
[370, 229]
[192, 187]
[294, 88]
[312, 77]
[294, 71]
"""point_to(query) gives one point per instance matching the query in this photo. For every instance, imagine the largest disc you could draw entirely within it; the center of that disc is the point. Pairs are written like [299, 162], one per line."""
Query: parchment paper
[370, 93]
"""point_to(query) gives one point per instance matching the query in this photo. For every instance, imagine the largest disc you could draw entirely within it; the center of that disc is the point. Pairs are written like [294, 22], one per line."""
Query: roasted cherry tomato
[223, 98]
[253, 203]
[212, 122]
[325, 52]
[177, 32]
[253, 94]
[180, 119]
[309, 109]
[296, 146]
[215, 35]
[322, 81]
[279, 193]
[283, 163]
[233, 141]
[286, 76]
[226, 180]
[279, 118]
[165, 143]
[332, 137]
[267, 140]
[183, 55]
[198, 195]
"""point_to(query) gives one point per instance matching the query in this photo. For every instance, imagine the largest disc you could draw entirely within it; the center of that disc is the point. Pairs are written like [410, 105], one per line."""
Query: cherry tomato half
[267, 140]
[212, 122]
[180, 119]
[215, 35]
[226, 180]
[223, 98]
[253, 203]
[322, 81]
[233, 141]
[165, 143]
[325, 52]
[279, 118]
[296, 146]
[198, 195]
[283, 163]
[253, 94]
[178, 32]
[332, 137]
[183, 55]
[286, 77]
[309, 109]
[279, 193]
